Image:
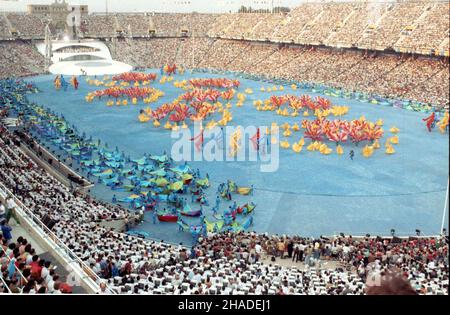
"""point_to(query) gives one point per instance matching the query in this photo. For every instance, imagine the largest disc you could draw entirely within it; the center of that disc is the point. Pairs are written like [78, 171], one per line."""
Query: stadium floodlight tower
[48, 46]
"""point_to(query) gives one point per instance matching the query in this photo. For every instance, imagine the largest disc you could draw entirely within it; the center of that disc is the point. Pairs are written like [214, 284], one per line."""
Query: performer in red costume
[75, 83]
[430, 121]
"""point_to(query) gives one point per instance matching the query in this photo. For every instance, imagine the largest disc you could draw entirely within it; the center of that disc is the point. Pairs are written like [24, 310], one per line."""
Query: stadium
[253, 148]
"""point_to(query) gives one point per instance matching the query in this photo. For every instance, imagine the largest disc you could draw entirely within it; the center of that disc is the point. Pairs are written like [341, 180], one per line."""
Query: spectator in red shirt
[35, 267]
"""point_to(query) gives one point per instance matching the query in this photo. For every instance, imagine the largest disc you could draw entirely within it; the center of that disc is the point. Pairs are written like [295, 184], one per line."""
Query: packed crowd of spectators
[99, 25]
[236, 25]
[290, 27]
[406, 26]
[390, 26]
[406, 77]
[27, 25]
[348, 33]
[242, 263]
[23, 271]
[388, 75]
[427, 33]
[423, 261]
[265, 26]
[146, 53]
[43, 193]
[410, 26]
[172, 24]
[193, 50]
[138, 24]
[19, 58]
[393, 76]
[221, 53]
[317, 32]
[253, 54]
[154, 53]
[441, 91]
[144, 24]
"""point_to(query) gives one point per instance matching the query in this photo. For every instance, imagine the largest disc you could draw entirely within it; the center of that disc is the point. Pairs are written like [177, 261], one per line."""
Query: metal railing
[88, 275]
[5, 285]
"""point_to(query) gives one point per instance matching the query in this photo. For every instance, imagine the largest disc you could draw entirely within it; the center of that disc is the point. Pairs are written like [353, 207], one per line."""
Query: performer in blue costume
[217, 201]
[64, 84]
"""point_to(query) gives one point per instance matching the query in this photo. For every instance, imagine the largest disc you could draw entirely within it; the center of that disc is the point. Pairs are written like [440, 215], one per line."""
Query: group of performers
[260, 140]
[171, 69]
[433, 120]
[59, 82]
[155, 182]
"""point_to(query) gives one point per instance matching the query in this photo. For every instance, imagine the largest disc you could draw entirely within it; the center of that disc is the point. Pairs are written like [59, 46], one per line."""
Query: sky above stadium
[210, 6]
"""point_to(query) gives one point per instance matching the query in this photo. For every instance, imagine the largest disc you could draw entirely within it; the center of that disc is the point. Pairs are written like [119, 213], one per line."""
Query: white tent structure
[77, 57]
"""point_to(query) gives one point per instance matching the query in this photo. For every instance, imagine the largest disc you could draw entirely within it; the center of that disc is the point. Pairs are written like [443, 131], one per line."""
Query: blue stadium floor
[310, 194]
